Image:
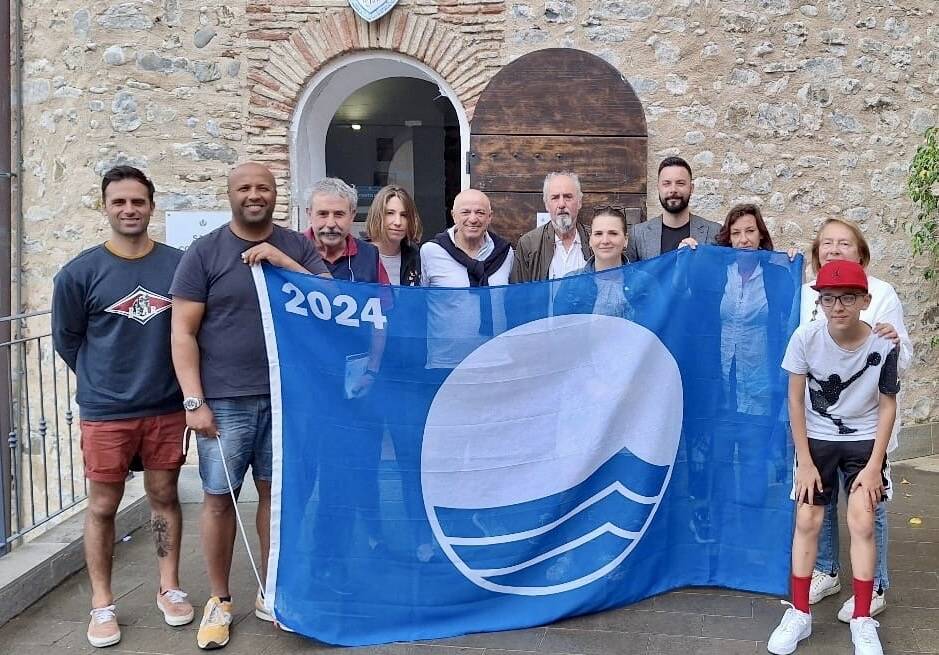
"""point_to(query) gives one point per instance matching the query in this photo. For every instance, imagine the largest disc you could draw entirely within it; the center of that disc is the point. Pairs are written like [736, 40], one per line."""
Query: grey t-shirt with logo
[232, 352]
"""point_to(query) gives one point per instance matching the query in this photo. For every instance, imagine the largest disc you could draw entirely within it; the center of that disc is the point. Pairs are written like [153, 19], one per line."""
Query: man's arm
[807, 477]
[892, 314]
[186, 321]
[870, 480]
[265, 252]
[632, 250]
[712, 232]
[69, 319]
[520, 272]
[425, 276]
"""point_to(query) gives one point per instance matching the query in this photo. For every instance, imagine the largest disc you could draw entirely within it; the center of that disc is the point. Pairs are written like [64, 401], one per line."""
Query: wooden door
[557, 109]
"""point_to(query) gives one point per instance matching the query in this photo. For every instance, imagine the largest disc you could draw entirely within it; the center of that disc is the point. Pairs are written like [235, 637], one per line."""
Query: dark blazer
[645, 239]
[410, 263]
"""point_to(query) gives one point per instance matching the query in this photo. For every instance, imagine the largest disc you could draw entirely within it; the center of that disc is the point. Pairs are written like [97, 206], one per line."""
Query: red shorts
[109, 446]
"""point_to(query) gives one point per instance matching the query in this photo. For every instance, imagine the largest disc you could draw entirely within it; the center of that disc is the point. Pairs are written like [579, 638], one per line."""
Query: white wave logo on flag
[547, 451]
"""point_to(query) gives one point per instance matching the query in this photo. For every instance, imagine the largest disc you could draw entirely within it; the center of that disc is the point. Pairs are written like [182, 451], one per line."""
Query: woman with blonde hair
[842, 239]
[394, 226]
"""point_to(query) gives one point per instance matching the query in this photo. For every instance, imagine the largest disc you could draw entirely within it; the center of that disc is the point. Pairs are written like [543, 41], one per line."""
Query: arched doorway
[374, 116]
[401, 131]
[558, 109]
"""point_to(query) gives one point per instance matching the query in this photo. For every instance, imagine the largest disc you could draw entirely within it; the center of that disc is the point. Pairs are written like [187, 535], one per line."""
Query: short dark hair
[675, 161]
[119, 173]
[737, 212]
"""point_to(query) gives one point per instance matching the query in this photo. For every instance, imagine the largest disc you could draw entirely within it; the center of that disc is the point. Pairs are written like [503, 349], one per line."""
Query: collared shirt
[566, 261]
[743, 341]
[344, 266]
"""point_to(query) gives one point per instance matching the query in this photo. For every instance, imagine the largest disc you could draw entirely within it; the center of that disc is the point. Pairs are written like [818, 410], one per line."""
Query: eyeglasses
[616, 210]
[847, 299]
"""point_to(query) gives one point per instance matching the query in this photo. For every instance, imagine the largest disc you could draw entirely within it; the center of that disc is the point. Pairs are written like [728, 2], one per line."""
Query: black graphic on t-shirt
[827, 392]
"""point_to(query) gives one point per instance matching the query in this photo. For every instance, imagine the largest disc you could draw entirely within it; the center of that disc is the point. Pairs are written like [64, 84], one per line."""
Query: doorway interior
[403, 131]
[380, 117]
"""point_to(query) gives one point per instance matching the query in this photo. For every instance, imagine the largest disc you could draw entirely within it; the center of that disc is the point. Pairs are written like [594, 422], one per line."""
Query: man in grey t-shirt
[221, 362]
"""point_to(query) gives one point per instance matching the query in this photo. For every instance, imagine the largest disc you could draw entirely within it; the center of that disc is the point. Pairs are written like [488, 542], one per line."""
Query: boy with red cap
[842, 405]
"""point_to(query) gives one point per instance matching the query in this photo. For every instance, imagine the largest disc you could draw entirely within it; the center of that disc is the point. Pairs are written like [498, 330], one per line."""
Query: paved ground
[700, 621]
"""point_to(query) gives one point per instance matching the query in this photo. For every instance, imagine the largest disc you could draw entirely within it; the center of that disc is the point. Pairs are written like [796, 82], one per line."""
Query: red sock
[800, 592]
[863, 593]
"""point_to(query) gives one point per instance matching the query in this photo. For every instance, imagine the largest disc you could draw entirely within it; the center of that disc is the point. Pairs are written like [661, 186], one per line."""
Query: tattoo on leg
[160, 529]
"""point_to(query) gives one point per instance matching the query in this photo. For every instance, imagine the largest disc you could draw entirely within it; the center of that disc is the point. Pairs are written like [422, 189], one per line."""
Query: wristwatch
[191, 403]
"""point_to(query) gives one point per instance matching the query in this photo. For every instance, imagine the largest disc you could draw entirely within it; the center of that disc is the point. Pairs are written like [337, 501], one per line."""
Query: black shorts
[845, 457]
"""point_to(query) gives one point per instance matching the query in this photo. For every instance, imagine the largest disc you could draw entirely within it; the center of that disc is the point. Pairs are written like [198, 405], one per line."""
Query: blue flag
[449, 461]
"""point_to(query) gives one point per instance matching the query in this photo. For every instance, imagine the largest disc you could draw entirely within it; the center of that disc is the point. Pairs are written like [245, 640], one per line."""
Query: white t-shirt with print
[843, 387]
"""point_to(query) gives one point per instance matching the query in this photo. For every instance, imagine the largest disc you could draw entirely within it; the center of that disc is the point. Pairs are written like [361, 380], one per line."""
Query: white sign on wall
[372, 10]
[184, 227]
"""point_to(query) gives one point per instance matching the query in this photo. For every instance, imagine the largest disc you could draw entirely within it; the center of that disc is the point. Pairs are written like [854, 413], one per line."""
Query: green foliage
[923, 187]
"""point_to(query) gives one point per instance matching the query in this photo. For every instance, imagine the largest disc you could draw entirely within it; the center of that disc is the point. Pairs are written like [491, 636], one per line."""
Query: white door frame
[324, 94]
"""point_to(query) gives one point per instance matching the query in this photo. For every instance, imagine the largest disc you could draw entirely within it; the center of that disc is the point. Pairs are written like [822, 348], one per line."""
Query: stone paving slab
[688, 621]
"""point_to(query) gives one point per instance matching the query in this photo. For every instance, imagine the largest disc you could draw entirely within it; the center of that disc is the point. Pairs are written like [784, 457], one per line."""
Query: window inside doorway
[398, 130]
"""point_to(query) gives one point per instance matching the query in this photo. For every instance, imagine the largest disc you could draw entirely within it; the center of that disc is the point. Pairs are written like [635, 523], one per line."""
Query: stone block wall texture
[811, 108]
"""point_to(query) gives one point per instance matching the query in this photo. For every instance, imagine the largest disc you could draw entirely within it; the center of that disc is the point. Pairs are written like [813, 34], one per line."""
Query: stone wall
[811, 108]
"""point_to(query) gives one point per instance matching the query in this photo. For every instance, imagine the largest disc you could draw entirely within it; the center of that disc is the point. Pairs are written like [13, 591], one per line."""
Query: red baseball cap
[841, 273]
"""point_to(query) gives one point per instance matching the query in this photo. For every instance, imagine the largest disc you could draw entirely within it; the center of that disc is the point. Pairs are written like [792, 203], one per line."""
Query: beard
[674, 205]
[255, 219]
[563, 222]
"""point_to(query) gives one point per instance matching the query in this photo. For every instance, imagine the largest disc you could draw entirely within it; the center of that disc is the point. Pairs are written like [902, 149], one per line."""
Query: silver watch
[191, 404]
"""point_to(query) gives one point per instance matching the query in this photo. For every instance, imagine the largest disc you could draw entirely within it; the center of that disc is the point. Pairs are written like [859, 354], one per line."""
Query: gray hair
[551, 176]
[333, 186]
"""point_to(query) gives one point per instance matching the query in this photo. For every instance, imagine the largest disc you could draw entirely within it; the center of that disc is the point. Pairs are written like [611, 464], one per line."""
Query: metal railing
[41, 474]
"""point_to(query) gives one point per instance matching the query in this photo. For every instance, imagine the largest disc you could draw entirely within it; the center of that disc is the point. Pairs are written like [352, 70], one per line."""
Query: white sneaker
[260, 609]
[823, 585]
[878, 605]
[793, 628]
[864, 636]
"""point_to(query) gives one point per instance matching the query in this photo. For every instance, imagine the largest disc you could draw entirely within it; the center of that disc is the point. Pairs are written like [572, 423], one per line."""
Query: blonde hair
[375, 223]
[863, 249]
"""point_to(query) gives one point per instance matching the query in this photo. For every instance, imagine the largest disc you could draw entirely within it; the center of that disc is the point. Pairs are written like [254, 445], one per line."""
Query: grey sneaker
[878, 605]
[823, 585]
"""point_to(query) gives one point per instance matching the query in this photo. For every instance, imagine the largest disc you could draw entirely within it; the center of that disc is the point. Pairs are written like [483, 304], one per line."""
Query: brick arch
[277, 83]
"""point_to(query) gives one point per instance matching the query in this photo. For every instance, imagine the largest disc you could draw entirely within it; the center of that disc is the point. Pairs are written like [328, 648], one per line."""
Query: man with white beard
[561, 245]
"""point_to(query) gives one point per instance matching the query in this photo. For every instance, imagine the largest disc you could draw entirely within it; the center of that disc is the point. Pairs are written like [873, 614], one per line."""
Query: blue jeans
[828, 548]
[244, 425]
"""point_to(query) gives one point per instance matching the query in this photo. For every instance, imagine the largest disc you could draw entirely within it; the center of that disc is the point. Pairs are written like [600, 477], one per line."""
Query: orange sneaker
[176, 609]
[213, 632]
[103, 629]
